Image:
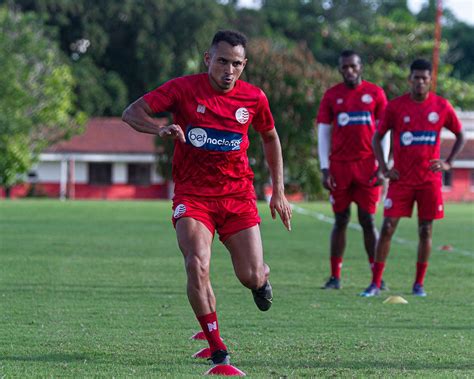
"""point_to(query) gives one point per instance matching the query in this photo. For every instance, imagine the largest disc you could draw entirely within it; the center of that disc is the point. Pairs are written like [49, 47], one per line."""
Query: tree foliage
[36, 100]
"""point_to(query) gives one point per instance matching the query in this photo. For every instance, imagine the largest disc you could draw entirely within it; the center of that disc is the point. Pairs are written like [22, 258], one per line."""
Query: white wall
[119, 173]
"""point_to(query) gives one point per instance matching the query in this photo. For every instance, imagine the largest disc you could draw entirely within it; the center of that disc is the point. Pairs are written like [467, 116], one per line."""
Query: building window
[139, 174]
[100, 173]
[447, 178]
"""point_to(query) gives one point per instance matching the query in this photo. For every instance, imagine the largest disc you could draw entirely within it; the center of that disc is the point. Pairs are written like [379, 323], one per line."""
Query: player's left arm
[453, 124]
[440, 165]
[278, 203]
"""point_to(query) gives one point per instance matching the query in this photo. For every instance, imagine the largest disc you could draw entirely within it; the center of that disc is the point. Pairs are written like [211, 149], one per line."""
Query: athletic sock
[371, 263]
[210, 327]
[336, 265]
[420, 272]
[377, 274]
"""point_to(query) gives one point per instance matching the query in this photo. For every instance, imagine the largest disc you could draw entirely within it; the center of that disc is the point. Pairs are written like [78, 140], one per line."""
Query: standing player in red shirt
[346, 121]
[213, 180]
[415, 120]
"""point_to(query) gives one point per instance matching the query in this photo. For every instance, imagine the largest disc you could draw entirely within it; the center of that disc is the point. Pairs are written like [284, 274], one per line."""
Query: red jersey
[352, 112]
[415, 134]
[213, 162]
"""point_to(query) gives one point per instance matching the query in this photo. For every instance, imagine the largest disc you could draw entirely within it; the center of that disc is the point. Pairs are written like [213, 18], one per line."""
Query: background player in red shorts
[415, 120]
[346, 121]
[213, 180]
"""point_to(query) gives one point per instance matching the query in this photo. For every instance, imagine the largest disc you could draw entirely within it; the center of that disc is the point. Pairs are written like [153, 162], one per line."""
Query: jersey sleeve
[380, 105]
[325, 114]
[263, 119]
[164, 98]
[452, 121]
[386, 122]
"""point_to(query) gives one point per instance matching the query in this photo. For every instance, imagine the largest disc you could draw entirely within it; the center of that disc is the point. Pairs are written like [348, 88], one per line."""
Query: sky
[462, 9]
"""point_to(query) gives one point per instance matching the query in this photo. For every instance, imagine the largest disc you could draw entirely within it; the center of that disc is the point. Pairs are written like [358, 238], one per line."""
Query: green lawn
[93, 289]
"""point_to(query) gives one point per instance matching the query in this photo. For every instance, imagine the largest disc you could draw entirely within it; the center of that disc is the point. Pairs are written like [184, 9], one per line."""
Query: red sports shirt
[213, 162]
[352, 112]
[415, 134]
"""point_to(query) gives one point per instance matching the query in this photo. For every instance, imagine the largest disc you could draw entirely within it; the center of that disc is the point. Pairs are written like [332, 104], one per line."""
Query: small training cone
[203, 353]
[395, 300]
[199, 336]
[446, 248]
[224, 370]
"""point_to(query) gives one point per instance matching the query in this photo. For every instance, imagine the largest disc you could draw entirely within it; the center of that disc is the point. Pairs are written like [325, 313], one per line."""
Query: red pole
[437, 41]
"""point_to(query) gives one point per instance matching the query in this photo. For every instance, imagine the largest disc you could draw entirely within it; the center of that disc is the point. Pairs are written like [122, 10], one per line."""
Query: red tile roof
[107, 135]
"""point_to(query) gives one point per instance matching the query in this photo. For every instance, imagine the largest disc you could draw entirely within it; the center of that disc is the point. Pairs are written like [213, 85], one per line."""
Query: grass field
[97, 289]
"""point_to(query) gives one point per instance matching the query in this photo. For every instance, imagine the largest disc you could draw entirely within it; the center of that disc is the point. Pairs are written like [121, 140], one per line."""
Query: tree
[294, 83]
[36, 100]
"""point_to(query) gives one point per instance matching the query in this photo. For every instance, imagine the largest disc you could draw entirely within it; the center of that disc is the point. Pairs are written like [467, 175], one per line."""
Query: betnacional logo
[423, 137]
[354, 118]
[343, 119]
[197, 137]
[213, 139]
[242, 115]
[387, 203]
[407, 138]
[367, 99]
[179, 211]
[433, 117]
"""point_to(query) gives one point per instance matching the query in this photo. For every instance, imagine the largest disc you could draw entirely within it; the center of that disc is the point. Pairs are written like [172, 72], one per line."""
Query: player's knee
[388, 228]
[424, 231]
[366, 221]
[252, 279]
[341, 221]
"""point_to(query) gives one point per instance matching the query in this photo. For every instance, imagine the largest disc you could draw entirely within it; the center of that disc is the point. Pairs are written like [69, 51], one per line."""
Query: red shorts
[354, 184]
[400, 200]
[228, 216]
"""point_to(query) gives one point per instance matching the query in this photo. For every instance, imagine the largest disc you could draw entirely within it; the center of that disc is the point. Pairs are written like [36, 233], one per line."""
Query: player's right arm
[324, 148]
[139, 116]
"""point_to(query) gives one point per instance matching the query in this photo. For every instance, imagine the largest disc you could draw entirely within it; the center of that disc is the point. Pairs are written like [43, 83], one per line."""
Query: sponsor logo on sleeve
[242, 115]
[406, 119]
[387, 203]
[201, 108]
[339, 101]
[425, 137]
[213, 139]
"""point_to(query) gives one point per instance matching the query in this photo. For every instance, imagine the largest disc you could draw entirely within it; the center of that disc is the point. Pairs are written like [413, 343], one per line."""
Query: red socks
[420, 272]
[210, 327]
[377, 273]
[336, 265]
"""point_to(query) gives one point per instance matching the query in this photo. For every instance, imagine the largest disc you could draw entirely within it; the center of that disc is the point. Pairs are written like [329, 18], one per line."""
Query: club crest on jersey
[433, 117]
[201, 108]
[242, 115]
[366, 98]
[179, 211]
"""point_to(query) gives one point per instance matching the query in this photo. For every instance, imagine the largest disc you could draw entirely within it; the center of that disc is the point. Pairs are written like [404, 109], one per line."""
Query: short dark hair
[232, 37]
[348, 53]
[420, 64]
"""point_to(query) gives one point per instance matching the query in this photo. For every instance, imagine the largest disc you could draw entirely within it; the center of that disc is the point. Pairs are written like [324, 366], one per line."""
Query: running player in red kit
[213, 180]
[346, 121]
[415, 120]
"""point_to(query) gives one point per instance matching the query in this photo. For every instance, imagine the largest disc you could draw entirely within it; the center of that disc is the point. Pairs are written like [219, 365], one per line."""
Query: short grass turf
[97, 289]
